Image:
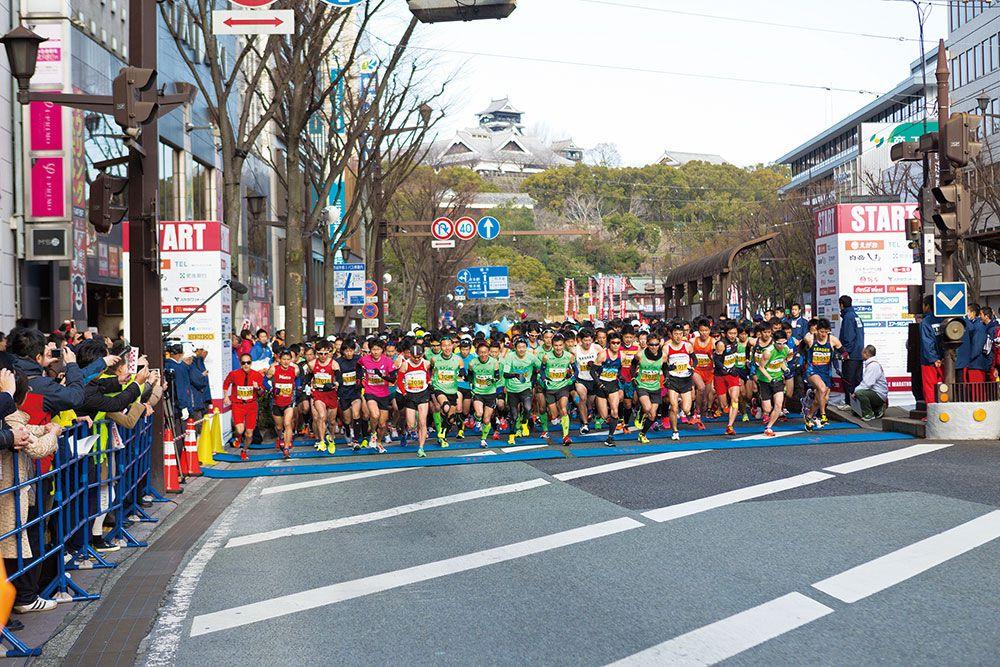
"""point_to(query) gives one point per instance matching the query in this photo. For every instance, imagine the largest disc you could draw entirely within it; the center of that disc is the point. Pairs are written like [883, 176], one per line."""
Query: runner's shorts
[488, 400]
[413, 401]
[519, 398]
[347, 396]
[680, 385]
[705, 373]
[823, 372]
[587, 384]
[768, 390]
[628, 387]
[723, 383]
[246, 414]
[384, 403]
[450, 398]
[553, 396]
[279, 410]
[654, 396]
[327, 398]
[605, 389]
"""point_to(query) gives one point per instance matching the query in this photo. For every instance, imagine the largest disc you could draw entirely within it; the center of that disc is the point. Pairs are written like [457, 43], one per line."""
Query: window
[202, 181]
[168, 182]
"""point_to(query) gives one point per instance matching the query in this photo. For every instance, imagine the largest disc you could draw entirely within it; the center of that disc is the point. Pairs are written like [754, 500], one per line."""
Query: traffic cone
[7, 594]
[189, 456]
[171, 476]
[205, 454]
[217, 445]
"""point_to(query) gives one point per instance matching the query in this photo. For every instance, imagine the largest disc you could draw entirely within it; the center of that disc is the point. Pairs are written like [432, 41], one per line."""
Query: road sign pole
[945, 174]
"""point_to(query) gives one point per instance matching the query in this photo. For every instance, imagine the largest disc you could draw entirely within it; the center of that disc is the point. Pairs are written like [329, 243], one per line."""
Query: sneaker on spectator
[101, 544]
[14, 625]
[62, 597]
[40, 604]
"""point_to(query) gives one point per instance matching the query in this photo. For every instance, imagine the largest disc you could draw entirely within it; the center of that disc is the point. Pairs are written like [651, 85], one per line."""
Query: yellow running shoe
[524, 430]
[643, 440]
[321, 445]
[510, 439]
[331, 446]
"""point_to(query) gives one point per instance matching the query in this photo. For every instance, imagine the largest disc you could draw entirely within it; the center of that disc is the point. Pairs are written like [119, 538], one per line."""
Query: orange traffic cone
[171, 476]
[7, 594]
[189, 456]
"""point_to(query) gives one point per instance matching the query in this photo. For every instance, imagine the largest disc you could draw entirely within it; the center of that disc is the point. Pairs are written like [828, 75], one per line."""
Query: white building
[8, 263]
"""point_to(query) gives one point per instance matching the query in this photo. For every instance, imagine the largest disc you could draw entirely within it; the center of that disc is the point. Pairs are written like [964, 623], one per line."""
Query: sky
[602, 90]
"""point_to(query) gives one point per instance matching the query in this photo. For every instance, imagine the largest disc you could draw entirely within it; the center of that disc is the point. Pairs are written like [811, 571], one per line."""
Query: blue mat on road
[474, 444]
[380, 464]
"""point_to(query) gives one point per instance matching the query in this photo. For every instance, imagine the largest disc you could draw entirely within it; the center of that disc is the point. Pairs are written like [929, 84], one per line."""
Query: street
[817, 554]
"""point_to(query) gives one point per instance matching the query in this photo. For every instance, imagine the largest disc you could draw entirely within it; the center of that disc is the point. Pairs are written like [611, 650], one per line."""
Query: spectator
[201, 391]
[246, 342]
[872, 393]
[261, 352]
[800, 325]
[971, 361]
[178, 373]
[930, 351]
[46, 396]
[989, 344]
[852, 339]
[33, 442]
[279, 342]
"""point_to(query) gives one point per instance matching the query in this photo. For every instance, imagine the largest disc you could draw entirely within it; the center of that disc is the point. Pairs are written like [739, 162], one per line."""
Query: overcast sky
[644, 112]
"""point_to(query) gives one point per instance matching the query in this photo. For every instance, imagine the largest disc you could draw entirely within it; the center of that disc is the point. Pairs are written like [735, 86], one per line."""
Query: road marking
[877, 575]
[621, 465]
[521, 448]
[165, 638]
[723, 639]
[731, 497]
[333, 524]
[761, 436]
[882, 459]
[485, 452]
[327, 595]
[329, 480]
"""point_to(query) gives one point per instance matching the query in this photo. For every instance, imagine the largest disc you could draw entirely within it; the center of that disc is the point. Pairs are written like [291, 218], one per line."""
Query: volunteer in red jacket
[242, 387]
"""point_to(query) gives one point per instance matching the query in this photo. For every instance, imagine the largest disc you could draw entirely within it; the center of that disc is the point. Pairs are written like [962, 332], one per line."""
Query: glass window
[201, 191]
[168, 182]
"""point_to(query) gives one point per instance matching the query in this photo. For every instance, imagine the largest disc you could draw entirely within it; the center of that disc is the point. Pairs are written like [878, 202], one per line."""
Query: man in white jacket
[871, 397]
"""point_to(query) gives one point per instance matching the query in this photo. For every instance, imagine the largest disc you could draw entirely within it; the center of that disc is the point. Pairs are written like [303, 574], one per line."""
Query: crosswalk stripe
[723, 639]
[327, 595]
[295, 486]
[672, 512]
[333, 524]
[877, 575]
[882, 459]
[621, 465]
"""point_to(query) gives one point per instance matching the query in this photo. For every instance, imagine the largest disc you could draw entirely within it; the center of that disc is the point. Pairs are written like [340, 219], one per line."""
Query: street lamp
[255, 204]
[21, 45]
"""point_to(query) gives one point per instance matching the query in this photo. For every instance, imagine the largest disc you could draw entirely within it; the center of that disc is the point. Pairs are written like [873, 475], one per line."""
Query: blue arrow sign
[463, 276]
[488, 282]
[460, 290]
[349, 284]
[950, 299]
[488, 228]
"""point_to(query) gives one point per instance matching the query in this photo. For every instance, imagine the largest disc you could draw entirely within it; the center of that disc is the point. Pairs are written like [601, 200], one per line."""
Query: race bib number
[703, 360]
[557, 374]
[320, 379]
[446, 375]
[647, 375]
[285, 388]
[415, 382]
[244, 393]
[821, 357]
[483, 382]
[349, 379]
[609, 374]
[375, 380]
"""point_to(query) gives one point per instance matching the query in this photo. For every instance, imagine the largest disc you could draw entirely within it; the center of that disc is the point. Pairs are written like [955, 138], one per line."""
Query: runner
[283, 376]
[484, 375]
[608, 391]
[586, 353]
[771, 367]
[465, 354]
[727, 378]
[324, 397]
[629, 350]
[704, 377]
[445, 371]
[557, 373]
[520, 369]
[821, 350]
[413, 378]
[680, 361]
[245, 386]
[379, 373]
[345, 369]
[648, 368]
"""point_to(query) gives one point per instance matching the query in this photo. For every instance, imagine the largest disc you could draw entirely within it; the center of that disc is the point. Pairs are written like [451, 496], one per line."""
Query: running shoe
[823, 420]
[638, 422]
[546, 438]
[675, 436]
[745, 418]
[643, 440]
[584, 430]
[243, 453]
[355, 445]
[684, 418]
[364, 444]
[698, 424]
[502, 423]
[331, 446]
[808, 424]
[769, 432]
[610, 442]
[665, 422]
[380, 449]
[287, 453]
[510, 439]
[566, 441]
[525, 431]
[818, 424]
[482, 444]
[496, 435]
[420, 453]
[444, 443]
[598, 424]
[461, 432]
[730, 430]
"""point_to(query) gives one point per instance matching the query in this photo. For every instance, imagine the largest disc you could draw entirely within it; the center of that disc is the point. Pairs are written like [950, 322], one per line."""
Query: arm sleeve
[129, 418]
[100, 403]
[7, 406]
[6, 437]
[70, 396]
[93, 369]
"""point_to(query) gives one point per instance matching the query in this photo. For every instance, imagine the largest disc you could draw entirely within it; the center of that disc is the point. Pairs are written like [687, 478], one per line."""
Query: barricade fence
[973, 392]
[54, 507]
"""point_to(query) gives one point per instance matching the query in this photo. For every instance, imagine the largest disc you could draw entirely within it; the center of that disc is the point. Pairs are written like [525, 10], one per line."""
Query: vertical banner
[194, 263]
[78, 265]
[862, 251]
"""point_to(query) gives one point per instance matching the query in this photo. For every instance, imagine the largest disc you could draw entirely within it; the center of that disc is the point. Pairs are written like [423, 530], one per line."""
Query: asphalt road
[853, 553]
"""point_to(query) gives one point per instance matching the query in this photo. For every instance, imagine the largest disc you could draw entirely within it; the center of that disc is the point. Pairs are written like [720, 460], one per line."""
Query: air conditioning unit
[435, 11]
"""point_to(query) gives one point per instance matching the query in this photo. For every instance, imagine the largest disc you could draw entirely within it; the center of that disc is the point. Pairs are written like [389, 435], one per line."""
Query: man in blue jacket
[930, 351]
[32, 354]
[178, 373]
[852, 339]
[200, 388]
[800, 325]
[971, 361]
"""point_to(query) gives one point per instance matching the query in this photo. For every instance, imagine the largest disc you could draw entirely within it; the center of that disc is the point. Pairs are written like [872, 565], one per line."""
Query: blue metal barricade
[96, 471]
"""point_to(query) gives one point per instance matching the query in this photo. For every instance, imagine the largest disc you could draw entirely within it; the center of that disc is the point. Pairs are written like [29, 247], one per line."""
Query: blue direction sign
[463, 276]
[950, 299]
[349, 284]
[460, 291]
[488, 228]
[487, 282]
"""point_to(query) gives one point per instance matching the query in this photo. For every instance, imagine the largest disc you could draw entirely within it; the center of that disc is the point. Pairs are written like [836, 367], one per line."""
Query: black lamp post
[21, 45]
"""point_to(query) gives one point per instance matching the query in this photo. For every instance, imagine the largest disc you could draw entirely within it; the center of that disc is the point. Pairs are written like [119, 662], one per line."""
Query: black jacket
[96, 398]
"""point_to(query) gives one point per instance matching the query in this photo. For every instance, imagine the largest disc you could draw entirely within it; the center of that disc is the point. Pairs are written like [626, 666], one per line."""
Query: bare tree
[604, 154]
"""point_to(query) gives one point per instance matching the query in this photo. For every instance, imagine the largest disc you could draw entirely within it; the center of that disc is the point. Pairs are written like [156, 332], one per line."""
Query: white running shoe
[40, 604]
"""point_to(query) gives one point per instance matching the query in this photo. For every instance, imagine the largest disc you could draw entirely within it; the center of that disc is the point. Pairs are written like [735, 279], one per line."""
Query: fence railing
[96, 471]
[972, 392]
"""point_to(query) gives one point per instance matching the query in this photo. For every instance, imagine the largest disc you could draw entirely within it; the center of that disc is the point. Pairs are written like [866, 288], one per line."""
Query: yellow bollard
[217, 446]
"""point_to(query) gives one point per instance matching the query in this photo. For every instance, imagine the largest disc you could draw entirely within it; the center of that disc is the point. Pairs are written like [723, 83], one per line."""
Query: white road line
[329, 480]
[723, 639]
[485, 452]
[731, 497]
[327, 595]
[165, 638]
[521, 448]
[333, 524]
[621, 465]
[882, 459]
[877, 575]
[761, 436]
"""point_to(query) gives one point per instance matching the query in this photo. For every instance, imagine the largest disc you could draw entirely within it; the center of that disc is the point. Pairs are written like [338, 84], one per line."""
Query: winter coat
[41, 444]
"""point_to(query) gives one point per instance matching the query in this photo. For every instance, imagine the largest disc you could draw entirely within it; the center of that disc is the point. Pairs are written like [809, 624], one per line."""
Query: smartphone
[56, 353]
[132, 358]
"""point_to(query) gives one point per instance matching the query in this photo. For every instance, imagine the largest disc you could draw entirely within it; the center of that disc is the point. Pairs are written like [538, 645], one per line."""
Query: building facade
[8, 172]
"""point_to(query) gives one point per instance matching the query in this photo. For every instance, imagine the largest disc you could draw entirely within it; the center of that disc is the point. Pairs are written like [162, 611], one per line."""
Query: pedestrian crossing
[408, 545]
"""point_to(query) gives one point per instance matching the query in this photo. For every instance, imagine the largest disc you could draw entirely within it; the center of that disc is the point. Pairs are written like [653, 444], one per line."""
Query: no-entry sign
[252, 4]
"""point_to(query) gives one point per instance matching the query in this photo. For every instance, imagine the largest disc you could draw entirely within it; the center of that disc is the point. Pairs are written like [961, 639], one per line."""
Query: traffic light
[960, 138]
[129, 112]
[954, 208]
[106, 205]
[914, 234]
